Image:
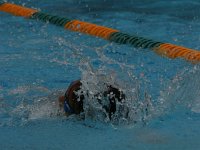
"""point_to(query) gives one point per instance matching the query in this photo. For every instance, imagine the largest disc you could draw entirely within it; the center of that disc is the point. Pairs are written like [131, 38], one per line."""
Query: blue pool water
[38, 61]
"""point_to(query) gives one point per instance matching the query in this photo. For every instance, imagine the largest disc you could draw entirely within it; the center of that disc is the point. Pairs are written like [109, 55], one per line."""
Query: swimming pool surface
[38, 61]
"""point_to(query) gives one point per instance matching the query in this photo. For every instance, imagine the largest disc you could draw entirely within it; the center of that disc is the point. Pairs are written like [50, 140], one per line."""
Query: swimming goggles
[67, 108]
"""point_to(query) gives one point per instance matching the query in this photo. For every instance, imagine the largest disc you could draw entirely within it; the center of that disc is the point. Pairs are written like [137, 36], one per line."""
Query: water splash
[137, 105]
[183, 91]
[97, 71]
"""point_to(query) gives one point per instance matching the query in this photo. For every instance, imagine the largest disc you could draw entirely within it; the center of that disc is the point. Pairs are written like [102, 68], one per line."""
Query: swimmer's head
[72, 102]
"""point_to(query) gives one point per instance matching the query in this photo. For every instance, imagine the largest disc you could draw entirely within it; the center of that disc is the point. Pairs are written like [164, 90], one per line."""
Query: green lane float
[59, 21]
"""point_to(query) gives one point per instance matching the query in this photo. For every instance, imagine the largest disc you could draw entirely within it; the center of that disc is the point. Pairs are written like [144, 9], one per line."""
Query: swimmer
[72, 103]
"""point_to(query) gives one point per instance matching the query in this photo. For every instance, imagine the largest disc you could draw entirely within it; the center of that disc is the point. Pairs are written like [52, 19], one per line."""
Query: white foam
[196, 107]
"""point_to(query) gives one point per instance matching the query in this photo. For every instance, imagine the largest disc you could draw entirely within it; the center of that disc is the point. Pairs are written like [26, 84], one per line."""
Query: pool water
[38, 61]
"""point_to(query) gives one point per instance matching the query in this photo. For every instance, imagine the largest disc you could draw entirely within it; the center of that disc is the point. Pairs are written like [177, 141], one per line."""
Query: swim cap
[73, 102]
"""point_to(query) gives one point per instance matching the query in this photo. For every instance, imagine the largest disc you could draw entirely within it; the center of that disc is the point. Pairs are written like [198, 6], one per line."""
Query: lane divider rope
[164, 49]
